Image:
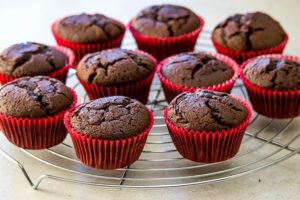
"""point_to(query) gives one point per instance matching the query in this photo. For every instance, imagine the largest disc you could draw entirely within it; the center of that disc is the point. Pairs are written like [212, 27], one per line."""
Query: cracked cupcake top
[115, 66]
[206, 111]
[86, 28]
[165, 21]
[112, 117]
[34, 97]
[196, 70]
[273, 73]
[30, 59]
[252, 31]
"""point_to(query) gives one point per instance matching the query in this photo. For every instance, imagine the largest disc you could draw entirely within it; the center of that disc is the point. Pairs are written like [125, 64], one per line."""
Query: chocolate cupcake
[117, 127]
[244, 36]
[273, 73]
[165, 21]
[32, 109]
[87, 33]
[31, 59]
[189, 71]
[273, 85]
[117, 72]
[207, 126]
[164, 30]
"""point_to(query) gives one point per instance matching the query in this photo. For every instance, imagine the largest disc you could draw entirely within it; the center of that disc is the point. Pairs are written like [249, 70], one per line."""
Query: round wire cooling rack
[266, 143]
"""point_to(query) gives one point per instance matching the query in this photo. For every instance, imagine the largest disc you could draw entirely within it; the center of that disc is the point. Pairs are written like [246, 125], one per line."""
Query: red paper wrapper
[60, 74]
[171, 90]
[241, 56]
[271, 102]
[36, 133]
[208, 147]
[138, 90]
[81, 49]
[161, 48]
[107, 154]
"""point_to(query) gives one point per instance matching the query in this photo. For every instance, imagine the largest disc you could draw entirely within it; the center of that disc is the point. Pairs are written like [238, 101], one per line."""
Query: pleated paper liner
[162, 48]
[271, 102]
[81, 49]
[208, 147]
[137, 90]
[171, 90]
[107, 154]
[36, 133]
[241, 56]
[60, 74]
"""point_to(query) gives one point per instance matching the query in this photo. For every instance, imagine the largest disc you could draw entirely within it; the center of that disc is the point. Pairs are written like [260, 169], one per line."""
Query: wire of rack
[266, 143]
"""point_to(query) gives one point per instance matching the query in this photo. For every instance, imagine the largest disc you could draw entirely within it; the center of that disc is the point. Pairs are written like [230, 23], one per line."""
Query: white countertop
[30, 21]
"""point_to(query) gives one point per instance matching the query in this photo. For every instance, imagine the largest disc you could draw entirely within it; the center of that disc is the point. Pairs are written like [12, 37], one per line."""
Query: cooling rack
[266, 142]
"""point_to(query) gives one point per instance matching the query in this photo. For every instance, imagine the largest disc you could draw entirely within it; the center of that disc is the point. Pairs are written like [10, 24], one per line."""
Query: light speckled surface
[30, 20]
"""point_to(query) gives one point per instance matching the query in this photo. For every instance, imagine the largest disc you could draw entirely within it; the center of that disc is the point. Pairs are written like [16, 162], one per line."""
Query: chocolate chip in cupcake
[165, 21]
[206, 111]
[30, 59]
[196, 70]
[34, 97]
[252, 31]
[88, 28]
[115, 66]
[272, 73]
[114, 117]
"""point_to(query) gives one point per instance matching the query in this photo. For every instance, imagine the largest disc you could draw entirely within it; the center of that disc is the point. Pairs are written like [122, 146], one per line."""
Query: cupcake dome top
[165, 21]
[112, 117]
[30, 59]
[196, 70]
[272, 73]
[115, 66]
[206, 110]
[252, 31]
[34, 97]
[88, 28]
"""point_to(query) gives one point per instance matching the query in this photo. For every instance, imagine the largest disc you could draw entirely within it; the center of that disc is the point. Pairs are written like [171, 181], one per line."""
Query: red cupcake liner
[162, 48]
[60, 74]
[208, 147]
[271, 102]
[138, 90]
[171, 90]
[107, 154]
[81, 49]
[36, 133]
[241, 56]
